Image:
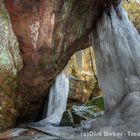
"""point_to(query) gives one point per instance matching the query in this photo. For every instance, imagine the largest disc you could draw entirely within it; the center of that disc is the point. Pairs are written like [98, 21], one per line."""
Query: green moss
[99, 102]
[67, 119]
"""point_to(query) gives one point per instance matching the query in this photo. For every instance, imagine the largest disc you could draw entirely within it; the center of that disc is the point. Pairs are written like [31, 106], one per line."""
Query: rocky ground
[39, 133]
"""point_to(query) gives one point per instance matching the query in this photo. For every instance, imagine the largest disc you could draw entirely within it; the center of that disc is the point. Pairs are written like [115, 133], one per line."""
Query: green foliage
[98, 101]
[133, 10]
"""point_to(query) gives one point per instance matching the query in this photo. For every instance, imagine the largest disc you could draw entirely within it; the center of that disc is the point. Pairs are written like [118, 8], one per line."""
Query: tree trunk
[117, 53]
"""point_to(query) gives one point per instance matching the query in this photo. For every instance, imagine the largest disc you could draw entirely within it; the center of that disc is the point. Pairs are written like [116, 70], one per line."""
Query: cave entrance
[84, 89]
[85, 99]
[82, 74]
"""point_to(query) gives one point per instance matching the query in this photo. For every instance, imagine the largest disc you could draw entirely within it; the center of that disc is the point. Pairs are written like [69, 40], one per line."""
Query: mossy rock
[98, 101]
[67, 119]
[81, 113]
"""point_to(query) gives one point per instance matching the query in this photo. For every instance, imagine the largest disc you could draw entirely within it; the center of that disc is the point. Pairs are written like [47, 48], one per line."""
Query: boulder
[67, 119]
[81, 113]
[10, 65]
[82, 87]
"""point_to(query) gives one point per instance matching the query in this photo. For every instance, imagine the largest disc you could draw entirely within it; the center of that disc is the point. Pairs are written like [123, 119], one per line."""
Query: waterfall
[117, 54]
[57, 100]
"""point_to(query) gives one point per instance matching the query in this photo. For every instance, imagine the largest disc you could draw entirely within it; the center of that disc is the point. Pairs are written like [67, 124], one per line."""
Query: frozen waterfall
[117, 54]
[57, 100]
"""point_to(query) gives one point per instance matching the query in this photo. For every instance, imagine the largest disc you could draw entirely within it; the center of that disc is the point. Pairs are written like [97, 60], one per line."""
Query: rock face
[49, 32]
[81, 113]
[82, 61]
[82, 87]
[10, 65]
[81, 71]
[67, 119]
[117, 47]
